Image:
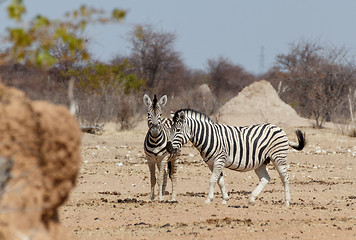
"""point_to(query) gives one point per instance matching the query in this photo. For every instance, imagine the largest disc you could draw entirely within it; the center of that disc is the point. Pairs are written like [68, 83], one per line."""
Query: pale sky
[235, 29]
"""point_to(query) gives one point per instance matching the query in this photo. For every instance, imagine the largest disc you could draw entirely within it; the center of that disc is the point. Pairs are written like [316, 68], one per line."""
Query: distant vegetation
[318, 81]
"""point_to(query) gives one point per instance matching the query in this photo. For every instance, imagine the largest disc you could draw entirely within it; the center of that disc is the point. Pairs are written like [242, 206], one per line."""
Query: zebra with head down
[237, 148]
[155, 148]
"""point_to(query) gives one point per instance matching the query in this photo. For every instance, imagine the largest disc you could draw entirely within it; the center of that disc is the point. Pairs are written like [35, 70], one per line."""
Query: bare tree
[153, 56]
[67, 58]
[227, 79]
[317, 79]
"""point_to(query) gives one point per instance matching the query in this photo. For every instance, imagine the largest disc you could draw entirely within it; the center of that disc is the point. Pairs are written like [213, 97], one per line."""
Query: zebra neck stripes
[156, 145]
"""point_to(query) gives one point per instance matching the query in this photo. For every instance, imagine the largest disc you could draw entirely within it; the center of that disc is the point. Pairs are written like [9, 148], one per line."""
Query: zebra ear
[147, 100]
[163, 101]
[181, 116]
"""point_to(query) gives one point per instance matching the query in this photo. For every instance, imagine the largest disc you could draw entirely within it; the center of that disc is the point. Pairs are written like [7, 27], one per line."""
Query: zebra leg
[152, 168]
[215, 176]
[162, 178]
[224, 194]
[164, 183]
[282, 170]
[173, 176]
[264, 179]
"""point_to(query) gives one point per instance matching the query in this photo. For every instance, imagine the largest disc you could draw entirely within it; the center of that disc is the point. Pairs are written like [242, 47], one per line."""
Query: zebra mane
[194, 114]
[154, 102]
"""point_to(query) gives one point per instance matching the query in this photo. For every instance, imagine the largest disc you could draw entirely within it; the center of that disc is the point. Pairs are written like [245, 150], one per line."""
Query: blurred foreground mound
[39, 162]
[259, 103]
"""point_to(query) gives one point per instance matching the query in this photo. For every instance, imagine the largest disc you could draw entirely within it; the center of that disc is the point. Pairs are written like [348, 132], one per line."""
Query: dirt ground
[110, 200]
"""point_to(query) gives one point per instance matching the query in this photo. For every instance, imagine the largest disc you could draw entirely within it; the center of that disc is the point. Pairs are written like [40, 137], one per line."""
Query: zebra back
[193, 114]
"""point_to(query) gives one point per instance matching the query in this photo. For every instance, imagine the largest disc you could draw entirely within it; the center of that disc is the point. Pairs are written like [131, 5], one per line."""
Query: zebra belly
[242, 166]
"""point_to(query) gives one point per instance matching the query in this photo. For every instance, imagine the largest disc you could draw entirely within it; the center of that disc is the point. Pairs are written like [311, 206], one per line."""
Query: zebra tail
[301, 141]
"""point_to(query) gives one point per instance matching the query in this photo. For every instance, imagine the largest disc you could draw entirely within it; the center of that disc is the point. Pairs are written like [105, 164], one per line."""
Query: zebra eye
[178, 129]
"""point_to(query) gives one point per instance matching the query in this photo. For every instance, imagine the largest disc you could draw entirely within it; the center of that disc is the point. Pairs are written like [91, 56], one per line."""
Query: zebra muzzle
[170, 148]
[155, 130]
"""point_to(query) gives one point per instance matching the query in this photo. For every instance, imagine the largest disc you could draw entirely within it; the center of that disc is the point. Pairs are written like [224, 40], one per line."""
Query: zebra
[242, 149]
[155, 148]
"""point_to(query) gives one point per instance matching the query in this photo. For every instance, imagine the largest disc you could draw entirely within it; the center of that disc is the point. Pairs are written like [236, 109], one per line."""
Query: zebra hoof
[208, 201]
[251, 201]
[223, 201]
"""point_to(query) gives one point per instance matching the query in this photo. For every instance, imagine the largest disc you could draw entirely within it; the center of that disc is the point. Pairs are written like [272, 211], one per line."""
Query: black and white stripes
[155, 147]
[237, 148]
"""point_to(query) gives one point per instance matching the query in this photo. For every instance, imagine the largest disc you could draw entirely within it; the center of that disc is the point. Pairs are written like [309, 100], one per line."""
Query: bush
[96, 103]
[317, 79]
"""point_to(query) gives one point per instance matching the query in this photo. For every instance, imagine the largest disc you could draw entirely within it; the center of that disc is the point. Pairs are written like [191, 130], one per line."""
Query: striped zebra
[155, 148]
[237, 148]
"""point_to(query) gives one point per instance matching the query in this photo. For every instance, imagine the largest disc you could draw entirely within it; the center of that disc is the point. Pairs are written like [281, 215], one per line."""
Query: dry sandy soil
[110, 200]
[111, 197]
